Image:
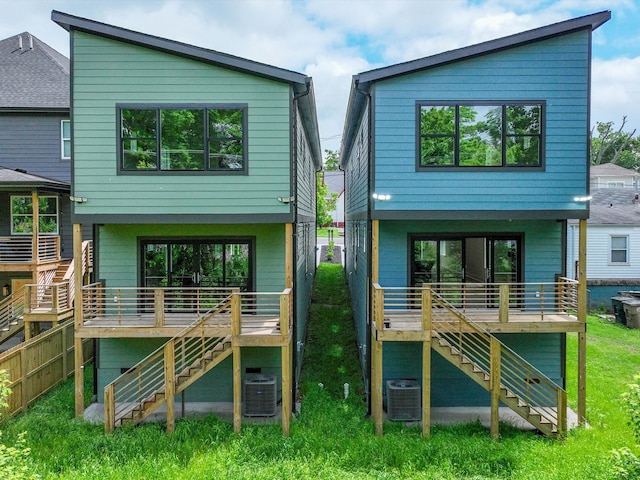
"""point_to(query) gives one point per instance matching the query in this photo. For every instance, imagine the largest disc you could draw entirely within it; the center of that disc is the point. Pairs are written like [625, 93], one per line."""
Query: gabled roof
[362, 82]
[334, 179]
[611, 170]
[33, 76]
[302, 85]
[19, 179]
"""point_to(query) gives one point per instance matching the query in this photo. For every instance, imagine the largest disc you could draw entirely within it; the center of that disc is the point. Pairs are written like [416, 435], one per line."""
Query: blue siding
[32, 142]
[452, 388]
[555, 71]
[542, 244]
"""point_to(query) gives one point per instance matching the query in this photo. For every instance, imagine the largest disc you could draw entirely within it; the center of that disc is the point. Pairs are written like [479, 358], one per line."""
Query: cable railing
[19, 249]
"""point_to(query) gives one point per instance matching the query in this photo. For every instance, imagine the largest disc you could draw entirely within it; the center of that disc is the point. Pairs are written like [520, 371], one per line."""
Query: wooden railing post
[376, 358]
[286, 352]
[582, 317]
[562, 412]
[494, 386]
[236, 330]
[78, 354]
[55, 298]
[109, 408]
[503, 315]
[27, 298]
[170, 383]
[426, 361]
[158, 300]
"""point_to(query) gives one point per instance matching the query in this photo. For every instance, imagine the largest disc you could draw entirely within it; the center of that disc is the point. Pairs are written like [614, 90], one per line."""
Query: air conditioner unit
[260, 396]
[403, 400]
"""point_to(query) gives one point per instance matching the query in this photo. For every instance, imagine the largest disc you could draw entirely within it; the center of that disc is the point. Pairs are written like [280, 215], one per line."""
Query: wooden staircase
[167, 371]
[11, 315]
[498, 369]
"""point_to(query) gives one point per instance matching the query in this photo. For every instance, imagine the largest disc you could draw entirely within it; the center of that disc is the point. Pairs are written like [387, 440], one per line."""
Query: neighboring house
[196, 170]
[608, 175]
[461, 172]
[613, 243]
[334, 179]
[35, 169]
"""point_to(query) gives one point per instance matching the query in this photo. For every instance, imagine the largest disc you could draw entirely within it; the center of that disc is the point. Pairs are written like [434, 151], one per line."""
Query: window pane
[618, 256]
[66, 129]
[523, 151]
[226, 147]
[619, 242]
[139, 154]
[182, 139]
[480, 135]
[48, 205]
[523, 119]
[66, 148]
[139, 139]
[21, 205]
[22, 224]
[437, 132]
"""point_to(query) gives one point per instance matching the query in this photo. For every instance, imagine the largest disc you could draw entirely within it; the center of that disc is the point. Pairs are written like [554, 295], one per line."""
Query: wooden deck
[519, 322]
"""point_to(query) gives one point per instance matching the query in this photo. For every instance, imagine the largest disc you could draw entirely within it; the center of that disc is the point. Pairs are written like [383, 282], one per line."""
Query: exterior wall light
[381, 197]
[586, 198]
[286, 199]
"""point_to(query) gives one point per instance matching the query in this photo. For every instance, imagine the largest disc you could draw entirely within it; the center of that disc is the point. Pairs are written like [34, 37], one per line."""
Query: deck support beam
[376, 360]
[426, 363]
[77, 352]
[582, 317]
[237, 362]
[494, 387]
[170, 384]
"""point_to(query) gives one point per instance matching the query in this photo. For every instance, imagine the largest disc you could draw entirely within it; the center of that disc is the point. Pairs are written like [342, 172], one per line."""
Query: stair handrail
[12, 308]
[517, 375]
[138, 384]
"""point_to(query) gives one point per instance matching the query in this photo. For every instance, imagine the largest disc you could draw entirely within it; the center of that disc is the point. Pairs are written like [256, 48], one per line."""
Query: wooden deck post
[376, 359]
[287, 359]
[288, 247]
[582, 317]
[375, 249]
[158, 300]
[109, 408]
[503, 315]
[426, 362]
[562, 413]
[78, 353]
[170, 384]
[236, 329]
[494, 387]
[35, 233]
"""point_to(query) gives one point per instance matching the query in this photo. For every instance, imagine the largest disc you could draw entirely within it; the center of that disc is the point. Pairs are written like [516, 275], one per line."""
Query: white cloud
[615, 91]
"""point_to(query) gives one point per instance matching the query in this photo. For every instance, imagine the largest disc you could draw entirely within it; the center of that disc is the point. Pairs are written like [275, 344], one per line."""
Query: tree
[614, 146]
[331, 160]
[325, 202]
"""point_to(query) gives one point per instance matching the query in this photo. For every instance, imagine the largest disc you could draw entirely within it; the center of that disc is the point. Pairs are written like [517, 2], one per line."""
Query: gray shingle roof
[32, 77]
[18, 179]
[614, 206]
[334, 180]
[610, 169]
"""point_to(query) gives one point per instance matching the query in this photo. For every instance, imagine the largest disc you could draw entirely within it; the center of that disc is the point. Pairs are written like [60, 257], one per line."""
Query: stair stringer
[186, 377]
[482, 378]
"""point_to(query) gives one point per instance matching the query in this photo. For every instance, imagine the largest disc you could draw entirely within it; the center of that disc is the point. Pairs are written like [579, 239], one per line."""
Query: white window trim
[611, 237]
[65, 139]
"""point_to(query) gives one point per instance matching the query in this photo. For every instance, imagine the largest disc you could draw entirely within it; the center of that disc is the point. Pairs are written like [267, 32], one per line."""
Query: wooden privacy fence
[41, 363]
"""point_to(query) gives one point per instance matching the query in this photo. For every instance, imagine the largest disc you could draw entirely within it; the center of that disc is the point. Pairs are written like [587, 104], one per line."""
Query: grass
[324, 232]
[332, 438]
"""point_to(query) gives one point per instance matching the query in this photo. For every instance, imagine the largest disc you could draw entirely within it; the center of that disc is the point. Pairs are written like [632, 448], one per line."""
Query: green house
[196, 171]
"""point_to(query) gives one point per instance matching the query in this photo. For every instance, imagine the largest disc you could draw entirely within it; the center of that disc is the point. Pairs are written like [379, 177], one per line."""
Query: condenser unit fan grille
[260, 396]
[403, 400]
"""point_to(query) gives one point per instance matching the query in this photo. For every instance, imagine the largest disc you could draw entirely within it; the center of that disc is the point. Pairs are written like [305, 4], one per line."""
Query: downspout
[294, 273]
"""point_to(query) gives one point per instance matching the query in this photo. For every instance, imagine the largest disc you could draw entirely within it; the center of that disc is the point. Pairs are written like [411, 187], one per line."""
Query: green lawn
[331, 438]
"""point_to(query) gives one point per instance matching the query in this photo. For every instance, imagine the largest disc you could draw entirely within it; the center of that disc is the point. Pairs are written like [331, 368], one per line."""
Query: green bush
[632, 403]
[14, 461]
[626, 466]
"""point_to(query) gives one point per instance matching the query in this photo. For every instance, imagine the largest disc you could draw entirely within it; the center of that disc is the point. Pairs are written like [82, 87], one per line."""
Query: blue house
[461, 171]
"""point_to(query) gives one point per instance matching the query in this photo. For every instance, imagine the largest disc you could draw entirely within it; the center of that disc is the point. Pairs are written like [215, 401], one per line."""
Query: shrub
[14, 461]
[626, 466]
[632, 402]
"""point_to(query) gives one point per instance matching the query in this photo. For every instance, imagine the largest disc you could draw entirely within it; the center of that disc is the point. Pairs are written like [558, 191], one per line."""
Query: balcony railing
[159, 307]
[19, 249]
[504, 300]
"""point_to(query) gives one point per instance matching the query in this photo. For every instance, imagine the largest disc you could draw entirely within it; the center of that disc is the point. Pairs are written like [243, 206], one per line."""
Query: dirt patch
[337, 254]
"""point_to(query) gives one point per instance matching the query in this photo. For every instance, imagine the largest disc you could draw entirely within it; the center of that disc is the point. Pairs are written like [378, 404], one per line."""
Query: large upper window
[192, 138]
[480, 135]
[22, 214]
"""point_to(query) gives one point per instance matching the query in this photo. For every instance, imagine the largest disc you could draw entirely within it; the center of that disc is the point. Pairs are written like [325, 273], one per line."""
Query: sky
[331, 40]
